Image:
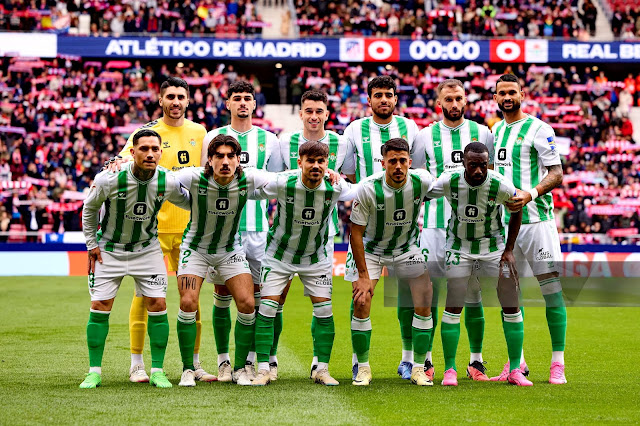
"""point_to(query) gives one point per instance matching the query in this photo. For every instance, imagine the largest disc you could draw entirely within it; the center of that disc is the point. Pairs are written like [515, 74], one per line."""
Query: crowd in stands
[462, 18]
[61, 119]
[103, 18]
[625, 20]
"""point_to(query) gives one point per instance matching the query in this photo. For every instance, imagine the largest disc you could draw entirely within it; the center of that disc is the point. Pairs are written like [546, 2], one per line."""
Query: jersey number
[186, 255]
[265, 271]
[455, 260]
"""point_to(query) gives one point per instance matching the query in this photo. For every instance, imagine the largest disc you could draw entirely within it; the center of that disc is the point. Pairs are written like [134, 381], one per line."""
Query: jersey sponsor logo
[308, 218]
[244, 157]
[308, 214]
[399, 215]
[502, 158]
[222, 204]
[183, 157]
[139, 213]
[471, 213]
[456, 157]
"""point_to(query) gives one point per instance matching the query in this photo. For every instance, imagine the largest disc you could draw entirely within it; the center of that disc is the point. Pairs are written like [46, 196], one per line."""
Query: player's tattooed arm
[553, 179]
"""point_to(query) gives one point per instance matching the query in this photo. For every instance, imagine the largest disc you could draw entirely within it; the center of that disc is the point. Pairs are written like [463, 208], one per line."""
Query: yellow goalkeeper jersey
[181, 147]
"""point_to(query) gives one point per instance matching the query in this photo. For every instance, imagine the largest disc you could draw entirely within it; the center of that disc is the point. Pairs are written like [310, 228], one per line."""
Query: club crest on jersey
[192, 142]
[474, 139]
[416, 200]
[332, 156]
[491, 202]
[519, 140]
[327, 202]
[404, 137]
[261, 147]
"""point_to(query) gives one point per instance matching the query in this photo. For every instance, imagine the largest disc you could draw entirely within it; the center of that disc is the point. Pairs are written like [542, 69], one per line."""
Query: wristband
[534, 193]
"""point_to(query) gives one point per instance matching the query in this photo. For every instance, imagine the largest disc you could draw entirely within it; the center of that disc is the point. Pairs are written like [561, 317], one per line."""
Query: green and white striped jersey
[440, 148]
[390, 215]
[289, 145]
[300, 230]
[475, 225]
[258, 148]
[131, 206]
[216, 210]
[365, 138]
[524, 149]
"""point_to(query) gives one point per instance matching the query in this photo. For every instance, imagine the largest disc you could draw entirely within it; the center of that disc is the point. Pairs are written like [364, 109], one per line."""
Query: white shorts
[463, 265]
[407, 265]
[225, 265]
[317, 278]
[538, 245]
[146, 267]
[254, 245]
[433, 242]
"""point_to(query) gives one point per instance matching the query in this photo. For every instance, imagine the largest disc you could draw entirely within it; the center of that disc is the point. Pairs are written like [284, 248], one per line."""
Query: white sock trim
[513, 318]
[246, 319]
[156, 314]
[449, 318]
[186, 317]
[361, 324]
[322, 309]
[422, 323]
[268, 308]
[222, 302]
[95, 311]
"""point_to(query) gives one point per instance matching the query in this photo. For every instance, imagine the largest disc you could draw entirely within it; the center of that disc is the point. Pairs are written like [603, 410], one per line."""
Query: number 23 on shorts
[452, 258]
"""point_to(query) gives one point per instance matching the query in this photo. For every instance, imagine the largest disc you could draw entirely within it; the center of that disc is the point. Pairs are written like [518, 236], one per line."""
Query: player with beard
[439, 148]
[258, 148]
[182, 147]
[365, 138]
[526, 154]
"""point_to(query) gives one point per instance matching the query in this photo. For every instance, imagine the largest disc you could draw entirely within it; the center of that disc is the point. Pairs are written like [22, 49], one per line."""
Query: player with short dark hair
[384, 233]
[439, 148]
[475, 246]
[127, 244]
[182, 147]
[259, 151]
[297, 244]
[526, 154]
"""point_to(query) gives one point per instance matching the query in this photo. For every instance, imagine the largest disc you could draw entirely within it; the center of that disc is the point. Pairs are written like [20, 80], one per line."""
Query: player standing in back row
[258, 146]
[365, 138]
[525, 152]
[440, 148]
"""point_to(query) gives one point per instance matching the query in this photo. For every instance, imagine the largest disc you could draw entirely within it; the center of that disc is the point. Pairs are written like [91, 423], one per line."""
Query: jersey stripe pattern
[181, 147]
[523, 150]
[390, 215]
[300, 228]
[475, 226]
[257, 146]
[365, 138]
[215, 209]
[289, 146]
[440, 148]
[130, 217]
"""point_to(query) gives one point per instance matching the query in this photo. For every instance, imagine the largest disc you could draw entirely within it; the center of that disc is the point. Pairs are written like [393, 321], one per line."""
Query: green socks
[474, 323]
[158, 330]
[405, 314]
[244, 337]
[97, 330]
[421, 330]
[361, 338]
[187, 329]
[513, 327]
[324, 331]
[450, 333]
[277, 329]
[264, 330]
[222, 322]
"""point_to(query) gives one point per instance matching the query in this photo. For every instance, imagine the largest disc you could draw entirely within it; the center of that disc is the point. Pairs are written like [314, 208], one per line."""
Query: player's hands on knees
[508, 262]
[333, 176]
[114, 164]
[518, 201]
[361, 287]
[94, 254]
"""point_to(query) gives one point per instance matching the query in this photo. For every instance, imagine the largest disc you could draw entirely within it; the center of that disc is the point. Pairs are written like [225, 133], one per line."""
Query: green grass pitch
[43, 358]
